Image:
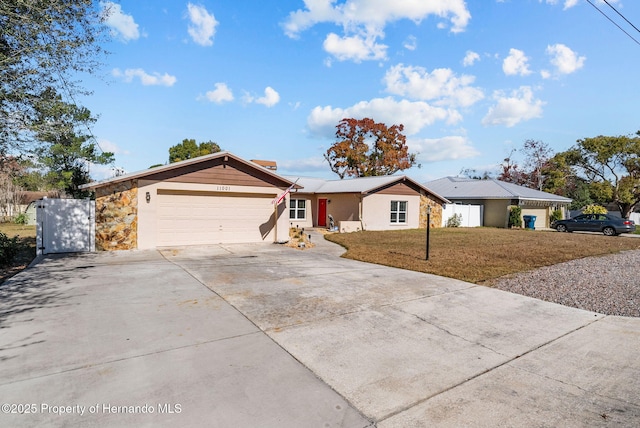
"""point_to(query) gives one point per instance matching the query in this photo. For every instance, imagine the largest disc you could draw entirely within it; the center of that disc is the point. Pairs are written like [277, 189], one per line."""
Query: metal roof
[363, 185]
[468, 188]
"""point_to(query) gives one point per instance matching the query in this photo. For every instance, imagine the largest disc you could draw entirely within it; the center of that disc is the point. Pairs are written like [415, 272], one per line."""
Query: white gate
[65, 225]
[471, 214]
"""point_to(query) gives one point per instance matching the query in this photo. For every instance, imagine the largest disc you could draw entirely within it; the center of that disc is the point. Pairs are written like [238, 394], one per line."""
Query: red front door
[322, 212]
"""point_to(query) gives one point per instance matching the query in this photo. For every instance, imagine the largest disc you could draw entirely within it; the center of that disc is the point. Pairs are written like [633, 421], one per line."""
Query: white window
[398, 211]
[297, 209]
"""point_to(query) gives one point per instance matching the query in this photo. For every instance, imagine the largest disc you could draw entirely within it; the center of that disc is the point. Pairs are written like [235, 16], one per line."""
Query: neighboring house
[367, 203]
[24, 204]
[212, 199]
[221, 198]
[496, 197]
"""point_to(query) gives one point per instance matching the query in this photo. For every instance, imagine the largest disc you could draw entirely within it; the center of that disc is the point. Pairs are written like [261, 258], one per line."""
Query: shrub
[454, 221]
[9, 248]
[594, 209]
[556, 215]
[515, 216]
[21, 218]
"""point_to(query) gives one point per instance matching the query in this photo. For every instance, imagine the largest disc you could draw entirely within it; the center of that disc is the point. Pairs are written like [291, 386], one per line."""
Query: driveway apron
[130, 339]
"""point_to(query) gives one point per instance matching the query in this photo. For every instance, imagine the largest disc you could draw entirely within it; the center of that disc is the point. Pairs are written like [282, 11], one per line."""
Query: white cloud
[108, 146]
[441, 85]
[303, 166]
[545, 74]
[366, 13]
[155, 79]
[511, 109]
[570, 3]
[101, 172]
[355, 48]
[220, 94]
[564, 59]
[121, 24]
[411, 44]
[470, 58]
[440, 149]
[413, 115]
[567, 3]
[271, 97]
[203, 25]
[516, 63]
[363, 22]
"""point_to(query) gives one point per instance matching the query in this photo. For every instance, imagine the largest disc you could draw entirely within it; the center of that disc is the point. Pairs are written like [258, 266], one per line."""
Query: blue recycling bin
[529, 221]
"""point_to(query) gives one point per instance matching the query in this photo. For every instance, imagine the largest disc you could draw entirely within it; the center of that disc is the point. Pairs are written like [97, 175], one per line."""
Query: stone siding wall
[436, 212]
[117, 216]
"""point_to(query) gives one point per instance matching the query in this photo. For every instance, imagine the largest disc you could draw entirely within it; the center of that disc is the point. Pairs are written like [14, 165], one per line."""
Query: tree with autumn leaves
[365, 148]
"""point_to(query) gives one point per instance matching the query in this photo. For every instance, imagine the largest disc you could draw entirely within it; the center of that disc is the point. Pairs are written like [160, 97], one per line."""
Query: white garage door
[197, 218]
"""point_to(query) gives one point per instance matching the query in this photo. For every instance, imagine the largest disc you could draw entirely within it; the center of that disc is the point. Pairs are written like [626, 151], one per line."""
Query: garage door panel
[197, 218]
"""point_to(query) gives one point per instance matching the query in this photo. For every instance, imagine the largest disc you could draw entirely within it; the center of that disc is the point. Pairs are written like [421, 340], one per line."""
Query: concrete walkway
[265, 335]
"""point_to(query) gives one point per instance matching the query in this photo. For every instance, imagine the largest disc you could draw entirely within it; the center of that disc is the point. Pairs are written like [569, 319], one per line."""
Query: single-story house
[218, 198]
[221, 198]
[496, 197]
[367, 203]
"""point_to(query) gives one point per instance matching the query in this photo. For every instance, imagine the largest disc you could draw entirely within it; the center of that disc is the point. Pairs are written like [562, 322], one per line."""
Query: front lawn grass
[27, 251]
[479, 254]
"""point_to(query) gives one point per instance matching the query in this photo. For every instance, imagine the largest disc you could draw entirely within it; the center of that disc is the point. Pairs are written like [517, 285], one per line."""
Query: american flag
[279, 198]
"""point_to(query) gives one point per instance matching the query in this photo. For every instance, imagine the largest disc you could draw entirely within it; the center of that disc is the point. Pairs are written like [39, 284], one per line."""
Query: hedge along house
[496, 197]
[367, 203]
[218, 198]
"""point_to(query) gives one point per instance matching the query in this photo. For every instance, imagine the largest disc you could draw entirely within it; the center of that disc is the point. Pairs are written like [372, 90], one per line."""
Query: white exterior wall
[148, 211]
[377, 210]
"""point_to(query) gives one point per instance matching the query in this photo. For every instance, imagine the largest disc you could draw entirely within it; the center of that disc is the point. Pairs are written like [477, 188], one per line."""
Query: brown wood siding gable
[219, 171]
[398, 189]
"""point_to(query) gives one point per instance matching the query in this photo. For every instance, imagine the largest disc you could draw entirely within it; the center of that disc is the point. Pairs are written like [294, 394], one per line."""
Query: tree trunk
[625, 209]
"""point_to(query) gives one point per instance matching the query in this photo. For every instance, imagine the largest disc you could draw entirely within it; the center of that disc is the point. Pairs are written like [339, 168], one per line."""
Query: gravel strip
[608, 285]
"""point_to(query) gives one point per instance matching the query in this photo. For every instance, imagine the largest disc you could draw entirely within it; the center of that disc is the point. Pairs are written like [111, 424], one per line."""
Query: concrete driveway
[263, 335]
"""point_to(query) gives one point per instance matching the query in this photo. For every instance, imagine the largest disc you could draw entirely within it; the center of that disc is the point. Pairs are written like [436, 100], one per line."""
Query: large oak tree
[365, 148]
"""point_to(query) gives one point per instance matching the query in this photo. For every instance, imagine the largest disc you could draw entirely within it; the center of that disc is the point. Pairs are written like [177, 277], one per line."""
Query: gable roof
[469, 188]
[361, 185]
[172, 167]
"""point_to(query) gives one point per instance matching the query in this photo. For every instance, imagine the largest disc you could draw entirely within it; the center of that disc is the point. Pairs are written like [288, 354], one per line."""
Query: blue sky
[271, 79]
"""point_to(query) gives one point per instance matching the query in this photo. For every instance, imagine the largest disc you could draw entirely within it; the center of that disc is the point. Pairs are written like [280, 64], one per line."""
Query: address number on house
[223, 188]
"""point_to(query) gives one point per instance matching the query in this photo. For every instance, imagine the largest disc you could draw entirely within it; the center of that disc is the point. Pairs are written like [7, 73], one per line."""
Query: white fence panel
[471, 214]
[65, 226]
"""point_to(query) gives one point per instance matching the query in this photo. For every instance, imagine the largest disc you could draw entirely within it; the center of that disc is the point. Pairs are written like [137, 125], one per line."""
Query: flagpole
[276, 201]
